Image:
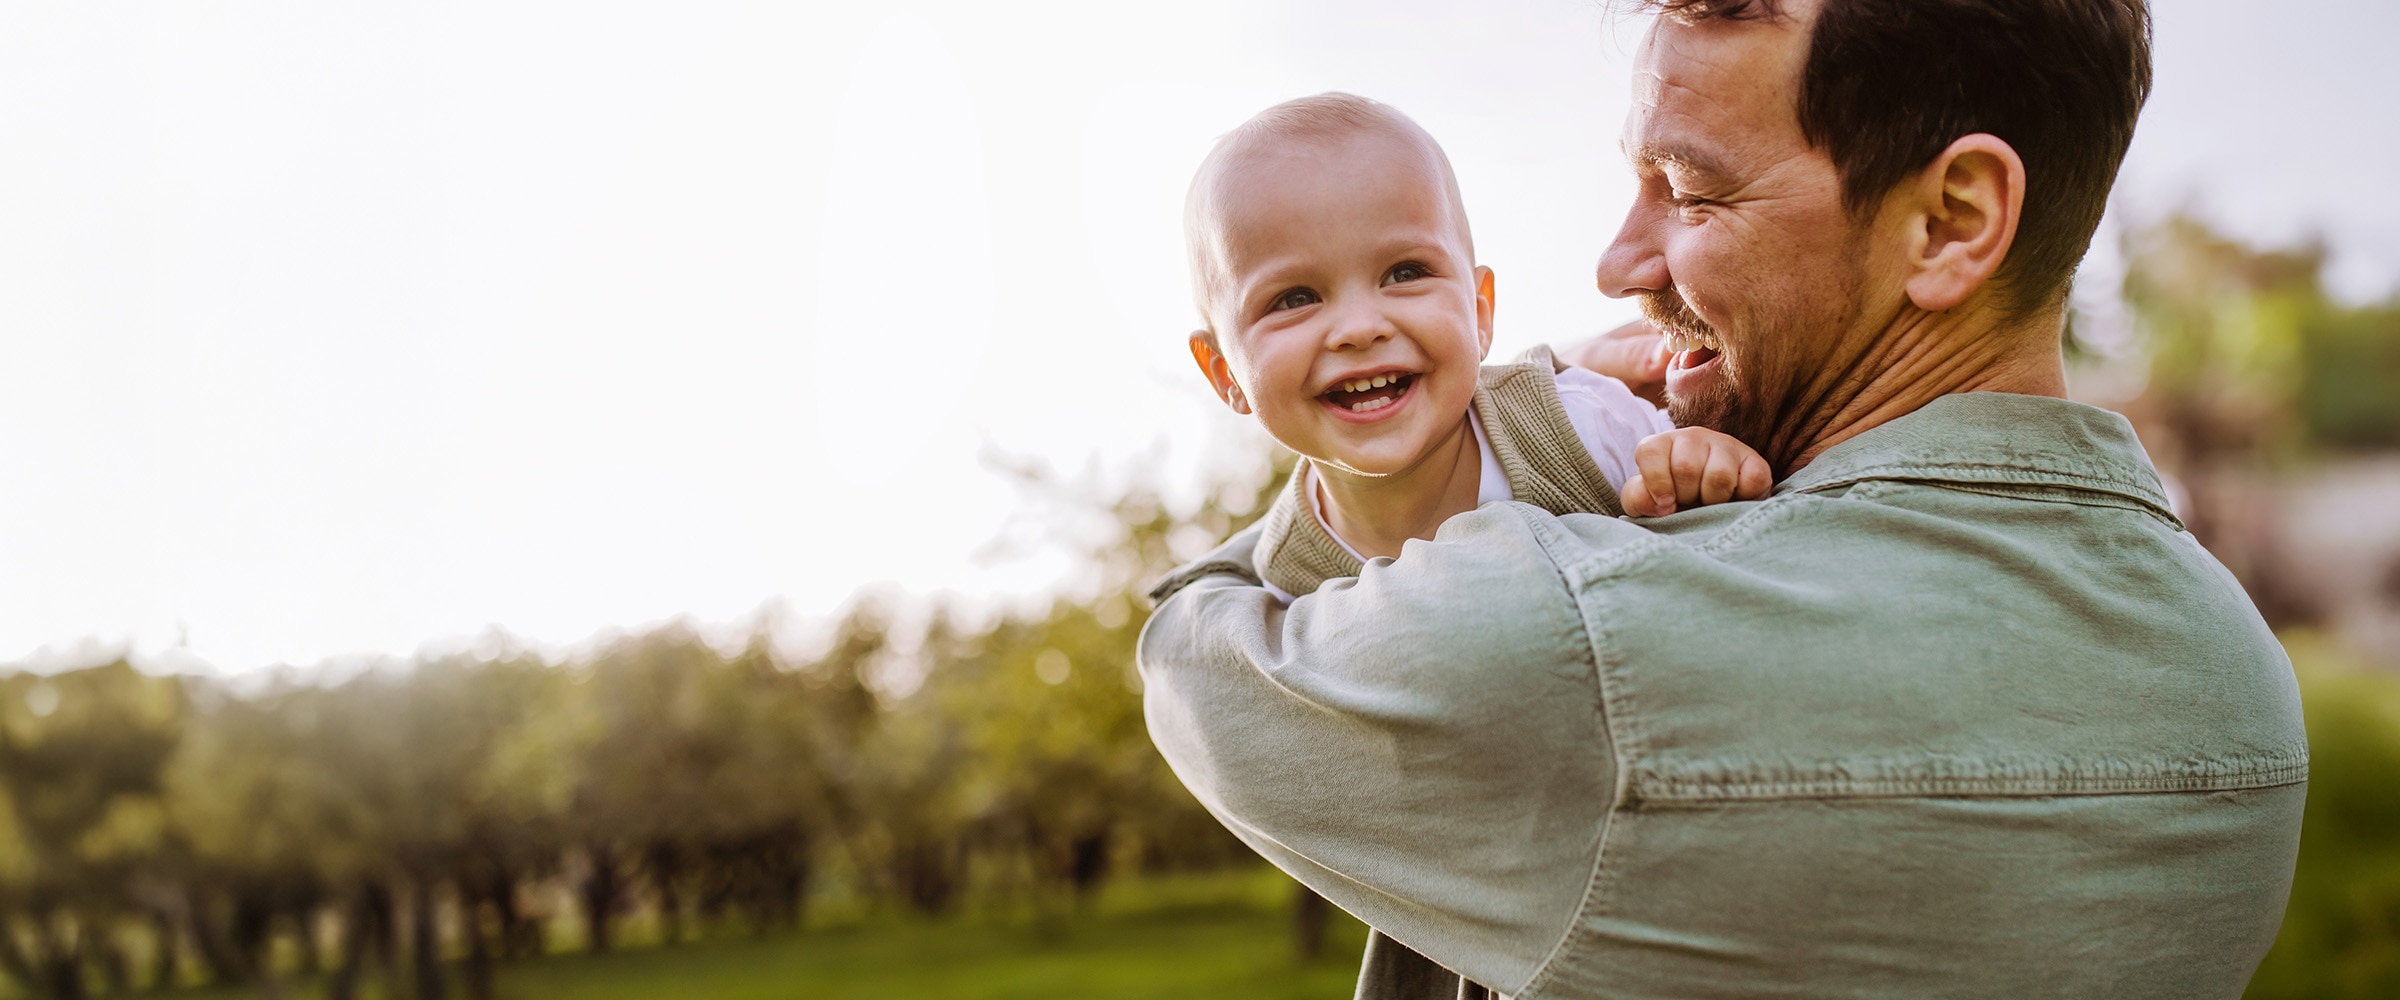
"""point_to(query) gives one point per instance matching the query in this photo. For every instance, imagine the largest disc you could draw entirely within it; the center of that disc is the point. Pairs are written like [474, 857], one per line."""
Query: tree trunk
[65, 978]
[599, 901]
[513, 937]
[61, 962]
[312, 958]
[666, 871]
[210, 937]
[479, 952]
[353, 944]
[366, 936]
[1087, 864]
[163, 968]
[1310, 915]
[424, 944]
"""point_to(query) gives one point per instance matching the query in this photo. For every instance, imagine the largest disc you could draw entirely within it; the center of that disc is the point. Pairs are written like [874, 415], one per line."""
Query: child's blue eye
[1293, 299]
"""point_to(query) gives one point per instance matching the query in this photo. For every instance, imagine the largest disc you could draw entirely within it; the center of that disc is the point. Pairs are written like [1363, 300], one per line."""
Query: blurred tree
[406, 815]
[2250, 365]
[2350, 377]
[711, 776]
[254, 833]
[81, 760]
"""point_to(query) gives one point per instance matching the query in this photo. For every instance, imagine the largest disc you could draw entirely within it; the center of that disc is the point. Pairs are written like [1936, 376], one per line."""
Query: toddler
[1344, 309]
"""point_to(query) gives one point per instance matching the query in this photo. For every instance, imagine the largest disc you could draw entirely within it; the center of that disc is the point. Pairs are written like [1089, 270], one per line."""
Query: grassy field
[1223, 936]
[1230, 935]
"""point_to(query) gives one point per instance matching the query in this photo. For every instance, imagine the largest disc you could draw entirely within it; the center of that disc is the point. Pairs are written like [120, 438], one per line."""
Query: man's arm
[1422, 745]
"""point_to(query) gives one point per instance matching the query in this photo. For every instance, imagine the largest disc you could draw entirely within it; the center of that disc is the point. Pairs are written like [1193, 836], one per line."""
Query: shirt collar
[1997, 440]
[1491, 485]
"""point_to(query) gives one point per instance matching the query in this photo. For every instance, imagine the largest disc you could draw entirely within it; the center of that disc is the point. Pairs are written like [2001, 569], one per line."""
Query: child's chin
[1380, 463]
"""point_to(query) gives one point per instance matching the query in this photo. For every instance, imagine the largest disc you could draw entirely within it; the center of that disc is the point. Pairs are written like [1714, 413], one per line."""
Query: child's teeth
[1379, 381]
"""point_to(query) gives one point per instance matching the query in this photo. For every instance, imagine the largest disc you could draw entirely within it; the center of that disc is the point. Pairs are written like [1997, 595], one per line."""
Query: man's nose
[1636, 261]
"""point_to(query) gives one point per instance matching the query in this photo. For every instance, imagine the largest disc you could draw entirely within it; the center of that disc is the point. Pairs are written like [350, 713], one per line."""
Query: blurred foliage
[2249, 370]
[406, 830]
[2247, 353]
[2341, 932]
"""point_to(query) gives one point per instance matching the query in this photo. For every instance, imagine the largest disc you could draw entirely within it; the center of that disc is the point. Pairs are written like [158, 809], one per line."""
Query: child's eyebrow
[1652, 154]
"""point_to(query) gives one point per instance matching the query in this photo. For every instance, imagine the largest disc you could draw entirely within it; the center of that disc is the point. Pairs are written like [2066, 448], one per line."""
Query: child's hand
[1635, 354]
[1692, 467]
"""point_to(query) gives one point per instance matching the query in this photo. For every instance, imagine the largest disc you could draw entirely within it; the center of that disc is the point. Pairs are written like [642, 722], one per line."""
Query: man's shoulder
[2014, 645]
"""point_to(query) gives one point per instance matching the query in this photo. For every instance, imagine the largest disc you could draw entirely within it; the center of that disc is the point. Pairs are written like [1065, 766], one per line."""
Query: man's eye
[1682, 200]
[1405, 272]
[1293, 299]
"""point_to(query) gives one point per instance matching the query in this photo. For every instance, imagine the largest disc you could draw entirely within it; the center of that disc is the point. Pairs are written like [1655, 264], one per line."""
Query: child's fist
[1692, 467]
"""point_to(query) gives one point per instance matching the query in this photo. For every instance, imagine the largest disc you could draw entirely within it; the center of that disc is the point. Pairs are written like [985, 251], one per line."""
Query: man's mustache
[1666, 310]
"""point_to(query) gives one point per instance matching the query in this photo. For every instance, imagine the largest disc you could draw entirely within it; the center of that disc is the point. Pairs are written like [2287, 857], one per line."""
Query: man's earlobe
[1219, 375]
[1968, 201]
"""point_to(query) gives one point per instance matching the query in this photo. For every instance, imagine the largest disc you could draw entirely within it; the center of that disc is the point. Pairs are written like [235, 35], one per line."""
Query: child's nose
[1358, 324]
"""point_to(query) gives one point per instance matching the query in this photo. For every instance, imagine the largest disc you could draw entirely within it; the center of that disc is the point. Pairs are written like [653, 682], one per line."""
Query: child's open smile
[1347, 309]
[1368, 397]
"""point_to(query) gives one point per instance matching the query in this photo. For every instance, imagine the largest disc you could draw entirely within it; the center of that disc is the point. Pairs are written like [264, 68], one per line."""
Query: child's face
[1340, 263]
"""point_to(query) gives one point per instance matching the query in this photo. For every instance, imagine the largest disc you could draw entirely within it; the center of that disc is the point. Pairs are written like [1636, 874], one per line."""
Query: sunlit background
[337, 329]
[343, 336]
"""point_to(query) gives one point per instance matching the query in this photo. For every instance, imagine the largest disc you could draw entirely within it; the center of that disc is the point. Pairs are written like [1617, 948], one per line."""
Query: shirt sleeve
[1609, 419]
[1422, 745]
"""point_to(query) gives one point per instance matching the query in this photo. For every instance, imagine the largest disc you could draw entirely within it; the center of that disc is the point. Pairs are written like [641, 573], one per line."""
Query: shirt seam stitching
[2002, 473]
[1618, 737]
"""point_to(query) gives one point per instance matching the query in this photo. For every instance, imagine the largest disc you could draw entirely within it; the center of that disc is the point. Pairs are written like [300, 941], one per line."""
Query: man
[1960, 711]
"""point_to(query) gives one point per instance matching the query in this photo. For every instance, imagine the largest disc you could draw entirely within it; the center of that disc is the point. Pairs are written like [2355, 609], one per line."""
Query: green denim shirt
[1961, 710]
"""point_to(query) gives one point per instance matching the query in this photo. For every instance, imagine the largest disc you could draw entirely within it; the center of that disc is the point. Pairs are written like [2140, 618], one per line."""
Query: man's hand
[1635, 354]
[1692, 467]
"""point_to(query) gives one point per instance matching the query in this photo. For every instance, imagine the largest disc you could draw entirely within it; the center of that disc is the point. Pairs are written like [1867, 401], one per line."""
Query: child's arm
[1692, 467]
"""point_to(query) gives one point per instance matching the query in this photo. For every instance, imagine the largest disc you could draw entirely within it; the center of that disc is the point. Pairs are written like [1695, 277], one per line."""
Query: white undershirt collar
[1491, 484]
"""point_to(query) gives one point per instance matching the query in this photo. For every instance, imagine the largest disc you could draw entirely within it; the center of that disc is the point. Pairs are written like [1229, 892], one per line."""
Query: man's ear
[1484, 304]
[1213, 368]
[1963, 210]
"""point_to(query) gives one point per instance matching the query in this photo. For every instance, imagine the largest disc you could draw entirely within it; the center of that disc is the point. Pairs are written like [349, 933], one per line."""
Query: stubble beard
[1729, 405]
[1780, 379]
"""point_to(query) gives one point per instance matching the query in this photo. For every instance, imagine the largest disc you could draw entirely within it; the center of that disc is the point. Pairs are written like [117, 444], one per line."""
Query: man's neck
[1374, 515]
[1921, 357]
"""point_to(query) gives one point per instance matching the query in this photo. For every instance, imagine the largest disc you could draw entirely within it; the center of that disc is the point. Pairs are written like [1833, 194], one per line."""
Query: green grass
[1219, 936]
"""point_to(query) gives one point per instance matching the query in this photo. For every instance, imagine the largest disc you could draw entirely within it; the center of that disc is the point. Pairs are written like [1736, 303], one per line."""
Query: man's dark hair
[1889, 84]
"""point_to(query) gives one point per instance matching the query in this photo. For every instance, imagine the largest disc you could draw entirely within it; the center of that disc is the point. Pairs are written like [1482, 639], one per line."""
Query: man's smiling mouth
[1369, 394]
[1692, 349]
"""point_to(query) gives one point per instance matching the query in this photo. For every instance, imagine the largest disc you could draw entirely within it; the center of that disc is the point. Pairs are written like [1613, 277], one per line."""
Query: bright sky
[336, 328]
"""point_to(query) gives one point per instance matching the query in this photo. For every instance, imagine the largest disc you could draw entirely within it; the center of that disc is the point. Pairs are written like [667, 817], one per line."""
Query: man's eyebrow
[1653, 154]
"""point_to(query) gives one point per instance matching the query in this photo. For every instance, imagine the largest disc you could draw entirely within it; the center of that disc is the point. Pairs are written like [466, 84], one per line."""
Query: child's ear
[1484, 305]
[1220, 377]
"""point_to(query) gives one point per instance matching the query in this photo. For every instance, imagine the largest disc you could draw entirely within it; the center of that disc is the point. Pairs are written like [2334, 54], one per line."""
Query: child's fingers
[1690, 465]
[1757, 479]
[1722, 476]
[1636, 497]
[1654, 457]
